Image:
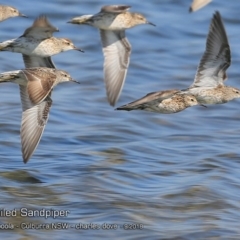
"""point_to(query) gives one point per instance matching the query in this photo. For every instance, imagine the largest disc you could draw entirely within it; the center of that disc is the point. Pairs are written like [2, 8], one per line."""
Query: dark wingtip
[217, 14]
[123, 108]
[25, 160]
[112, 102]
[190, 9]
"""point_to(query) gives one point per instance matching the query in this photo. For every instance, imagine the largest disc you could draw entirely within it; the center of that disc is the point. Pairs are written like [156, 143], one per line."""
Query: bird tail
[6, 44]
[8, 76]
[81, 20]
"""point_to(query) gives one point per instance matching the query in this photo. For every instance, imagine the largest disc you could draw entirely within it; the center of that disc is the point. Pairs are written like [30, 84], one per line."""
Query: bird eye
[237, 91]
[192, 99]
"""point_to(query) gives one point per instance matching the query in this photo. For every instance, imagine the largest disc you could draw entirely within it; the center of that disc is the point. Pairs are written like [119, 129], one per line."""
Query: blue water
[178, 175]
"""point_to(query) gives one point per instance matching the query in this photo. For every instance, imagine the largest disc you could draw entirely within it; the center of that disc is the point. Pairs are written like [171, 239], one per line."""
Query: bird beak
[72, 80]
[203, 105]
[23, 15]
[151, 24]
[78, 49]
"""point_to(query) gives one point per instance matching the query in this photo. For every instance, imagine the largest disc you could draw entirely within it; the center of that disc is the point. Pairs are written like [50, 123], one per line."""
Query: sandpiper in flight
[36, 85]
[112, 21]
[169, 101]
[208, 86]
[38, 45]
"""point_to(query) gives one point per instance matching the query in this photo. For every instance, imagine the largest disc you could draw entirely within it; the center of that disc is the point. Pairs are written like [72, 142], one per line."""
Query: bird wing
[34, 120]
[34, 61]
[115, 8]
[41, 29]
[150, 99]
[39, 87]
[216, 58]
[116, 51]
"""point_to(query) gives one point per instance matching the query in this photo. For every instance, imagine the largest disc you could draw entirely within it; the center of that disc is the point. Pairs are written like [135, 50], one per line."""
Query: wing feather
[39, 88]
[197, 4]
[34, 120]
[34, 61]
[149, 100]
[40, 29]
[216, 58]
[116, 51]
[115, 8]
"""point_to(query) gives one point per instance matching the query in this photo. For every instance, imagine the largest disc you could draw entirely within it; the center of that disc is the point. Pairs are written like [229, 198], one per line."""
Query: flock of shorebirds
[40, 76]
